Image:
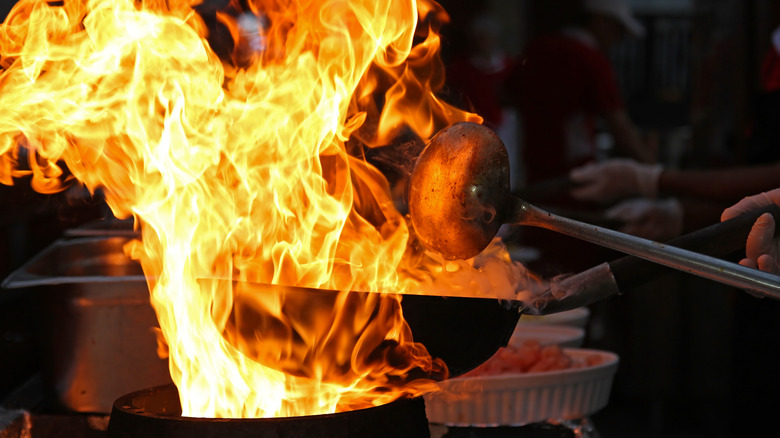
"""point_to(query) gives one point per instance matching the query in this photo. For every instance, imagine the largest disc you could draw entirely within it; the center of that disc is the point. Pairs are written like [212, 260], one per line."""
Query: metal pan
[95, 323]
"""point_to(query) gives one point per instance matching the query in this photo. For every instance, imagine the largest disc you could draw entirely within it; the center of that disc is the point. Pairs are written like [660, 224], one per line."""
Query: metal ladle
[459, 197]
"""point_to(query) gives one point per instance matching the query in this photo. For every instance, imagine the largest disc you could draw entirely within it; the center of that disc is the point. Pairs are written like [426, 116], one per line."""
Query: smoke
[491, 274]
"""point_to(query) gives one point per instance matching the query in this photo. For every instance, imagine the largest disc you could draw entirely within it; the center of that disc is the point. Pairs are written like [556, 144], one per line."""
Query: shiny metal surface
[459, 190]
[762, 283]
[97, 325]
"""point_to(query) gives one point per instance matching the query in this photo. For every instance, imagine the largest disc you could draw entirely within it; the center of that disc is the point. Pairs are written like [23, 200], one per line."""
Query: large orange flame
[237, 172]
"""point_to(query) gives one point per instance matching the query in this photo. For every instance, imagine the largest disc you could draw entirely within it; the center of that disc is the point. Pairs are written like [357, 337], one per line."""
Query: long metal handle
[716, 269]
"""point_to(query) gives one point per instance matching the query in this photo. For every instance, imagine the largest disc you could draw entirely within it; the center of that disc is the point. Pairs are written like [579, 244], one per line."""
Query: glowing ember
[238, 168]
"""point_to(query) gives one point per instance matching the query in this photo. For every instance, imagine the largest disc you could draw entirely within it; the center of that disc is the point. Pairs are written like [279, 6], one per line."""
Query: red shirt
[562, 84]
[481, 87]
[770, 71]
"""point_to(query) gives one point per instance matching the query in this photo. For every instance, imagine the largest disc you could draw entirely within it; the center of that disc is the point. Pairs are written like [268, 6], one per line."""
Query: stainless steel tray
[107, 227]
[97, 325]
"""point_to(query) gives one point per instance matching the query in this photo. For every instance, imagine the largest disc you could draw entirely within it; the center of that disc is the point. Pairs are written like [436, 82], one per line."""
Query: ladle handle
[706, 266]
[719, 240]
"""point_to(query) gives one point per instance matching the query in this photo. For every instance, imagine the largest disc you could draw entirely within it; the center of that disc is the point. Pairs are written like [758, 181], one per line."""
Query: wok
[464, 332]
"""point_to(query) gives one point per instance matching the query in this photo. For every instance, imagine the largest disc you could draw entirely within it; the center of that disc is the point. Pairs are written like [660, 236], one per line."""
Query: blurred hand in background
[655, 219]
[615, 179]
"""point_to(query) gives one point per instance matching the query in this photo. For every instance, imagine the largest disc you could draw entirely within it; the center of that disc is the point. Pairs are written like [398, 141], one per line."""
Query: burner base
[156, 412]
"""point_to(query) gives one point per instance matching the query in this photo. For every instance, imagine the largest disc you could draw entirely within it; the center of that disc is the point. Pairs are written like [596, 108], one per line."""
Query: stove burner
[156, 412]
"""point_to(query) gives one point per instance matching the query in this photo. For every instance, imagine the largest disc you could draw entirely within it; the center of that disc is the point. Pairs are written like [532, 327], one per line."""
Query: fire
[242, 171]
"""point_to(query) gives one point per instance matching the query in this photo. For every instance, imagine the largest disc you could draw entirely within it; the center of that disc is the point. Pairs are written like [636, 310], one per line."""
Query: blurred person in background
[477, 77]
[565, 89]
[479, 73]
[564, 85]
[659, 203]
[664, 203]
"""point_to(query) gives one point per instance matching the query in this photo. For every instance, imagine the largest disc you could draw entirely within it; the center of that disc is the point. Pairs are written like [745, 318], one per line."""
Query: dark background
[687, 346]
[698, 359]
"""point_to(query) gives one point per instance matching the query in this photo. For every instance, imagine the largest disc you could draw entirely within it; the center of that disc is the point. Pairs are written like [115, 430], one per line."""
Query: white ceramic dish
[564, 336]
[573, 318]
[518, 399]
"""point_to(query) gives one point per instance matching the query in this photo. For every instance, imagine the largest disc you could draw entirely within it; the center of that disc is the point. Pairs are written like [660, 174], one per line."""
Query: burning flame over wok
[245, 169]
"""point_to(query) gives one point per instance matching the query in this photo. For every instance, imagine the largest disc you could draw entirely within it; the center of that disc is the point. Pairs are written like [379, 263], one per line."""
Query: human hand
[649, 218]
[762, 249]
[614, 179]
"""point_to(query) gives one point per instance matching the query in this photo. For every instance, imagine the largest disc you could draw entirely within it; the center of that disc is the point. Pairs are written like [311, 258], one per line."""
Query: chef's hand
[653, 219]
[762, 249]
[615, 179]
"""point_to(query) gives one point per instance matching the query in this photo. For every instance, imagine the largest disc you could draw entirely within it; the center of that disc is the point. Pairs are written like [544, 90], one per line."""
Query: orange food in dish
[531, 357]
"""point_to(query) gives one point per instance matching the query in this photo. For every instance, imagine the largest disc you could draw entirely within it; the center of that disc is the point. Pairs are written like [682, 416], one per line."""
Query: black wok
[465, 332]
